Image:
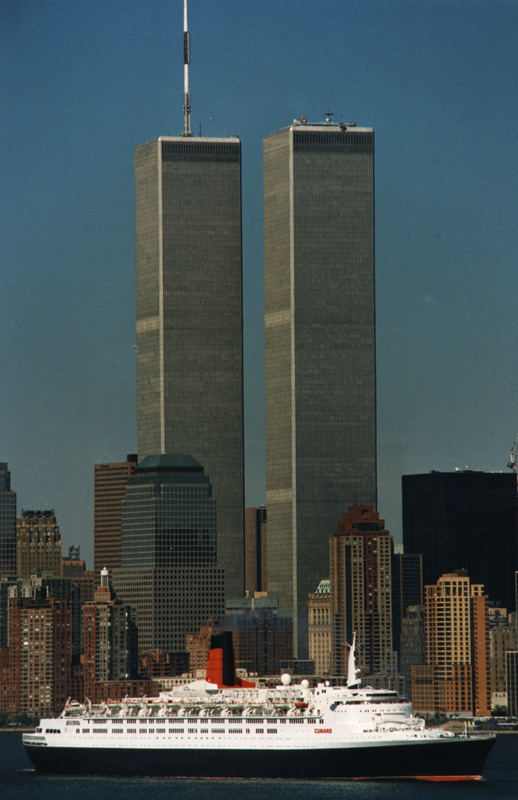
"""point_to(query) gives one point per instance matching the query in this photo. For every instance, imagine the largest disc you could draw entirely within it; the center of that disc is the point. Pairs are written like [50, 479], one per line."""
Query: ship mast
[186, 62]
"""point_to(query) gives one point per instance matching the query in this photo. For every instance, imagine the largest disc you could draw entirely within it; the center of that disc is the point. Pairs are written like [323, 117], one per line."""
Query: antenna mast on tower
[186, 62]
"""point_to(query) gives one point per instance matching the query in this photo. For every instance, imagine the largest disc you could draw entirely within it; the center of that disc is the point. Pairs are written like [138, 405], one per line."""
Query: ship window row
[218, 721]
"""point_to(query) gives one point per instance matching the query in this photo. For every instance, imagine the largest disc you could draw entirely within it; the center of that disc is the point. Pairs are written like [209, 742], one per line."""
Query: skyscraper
[456, 675]
[467, 519]
[361, 603]
[109, 489]
[169, 571]
[7, 524]
[320, 347]
[407, 589]
[189, 318]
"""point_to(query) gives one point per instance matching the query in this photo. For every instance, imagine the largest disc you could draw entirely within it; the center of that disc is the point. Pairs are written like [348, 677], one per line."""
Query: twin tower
[319, 325]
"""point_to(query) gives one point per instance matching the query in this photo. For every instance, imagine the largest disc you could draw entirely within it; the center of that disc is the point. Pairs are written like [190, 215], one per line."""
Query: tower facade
[40, 654]
[109, 489]
[38, 544]
[407, 589]
[7, 524]
[169, 567]
[361, 602]
[467, 519]
[320, 348]
[256, 527]
[457, 673]
[189, 318]
[319, 627]
[110, 639]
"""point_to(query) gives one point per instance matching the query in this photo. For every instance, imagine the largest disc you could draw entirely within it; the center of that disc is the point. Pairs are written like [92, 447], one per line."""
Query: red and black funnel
[221, 665]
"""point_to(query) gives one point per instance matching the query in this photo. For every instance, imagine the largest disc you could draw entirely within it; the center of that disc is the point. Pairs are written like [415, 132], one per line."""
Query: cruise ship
[228, 728]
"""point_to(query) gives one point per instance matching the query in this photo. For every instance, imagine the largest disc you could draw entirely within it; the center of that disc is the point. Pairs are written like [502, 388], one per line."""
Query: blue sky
[84, 82]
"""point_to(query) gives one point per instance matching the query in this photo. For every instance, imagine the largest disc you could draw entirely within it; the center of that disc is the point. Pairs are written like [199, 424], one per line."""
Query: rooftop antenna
[186, 62]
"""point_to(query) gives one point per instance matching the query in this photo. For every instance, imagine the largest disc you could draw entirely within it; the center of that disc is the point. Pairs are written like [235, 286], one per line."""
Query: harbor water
[19, 780]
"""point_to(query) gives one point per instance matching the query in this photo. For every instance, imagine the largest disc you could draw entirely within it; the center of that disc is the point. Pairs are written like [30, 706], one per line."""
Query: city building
[407, 589]
[255, 550]
[511, 659]
[109, 488]
[169, 567]
[5, 692]
[46, 586]
[190, 319]
[465, 519]
[72, 566]
[502, 638]
[456, 676]
[40, 654]
[38, 544]
[320, 348]
[7, 524]
[361, 596]
[319, 627]
[5, 584]
[262, 637]
[155, 665]
[412, 648]
[110, 640]
[198, 646]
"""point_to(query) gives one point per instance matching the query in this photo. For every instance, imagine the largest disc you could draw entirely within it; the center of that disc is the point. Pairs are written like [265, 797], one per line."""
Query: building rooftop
[169, 462]
[326, 126]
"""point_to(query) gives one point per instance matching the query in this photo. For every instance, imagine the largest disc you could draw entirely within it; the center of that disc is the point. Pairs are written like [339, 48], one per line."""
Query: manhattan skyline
[84, 85]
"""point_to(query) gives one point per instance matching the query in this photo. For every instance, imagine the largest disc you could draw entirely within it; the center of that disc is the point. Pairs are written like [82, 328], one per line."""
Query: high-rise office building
[467, 519]
[412, 650]
[255, 550]
[109, 489]
[320, 348]
[407, 589]
[189, 318]
[38, 544]
[7, 524]
[502, 639]
[262, 637]
[361, 602]
[169, 567]
[456, 676]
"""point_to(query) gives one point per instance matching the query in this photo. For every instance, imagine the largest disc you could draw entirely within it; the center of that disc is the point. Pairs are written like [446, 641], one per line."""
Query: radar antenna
[186, 62]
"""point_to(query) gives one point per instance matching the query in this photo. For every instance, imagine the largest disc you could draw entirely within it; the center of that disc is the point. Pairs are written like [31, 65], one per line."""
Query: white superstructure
[200, 715]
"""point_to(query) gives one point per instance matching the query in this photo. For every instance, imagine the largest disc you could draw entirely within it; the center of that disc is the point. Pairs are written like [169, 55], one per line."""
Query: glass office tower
[169, 567]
